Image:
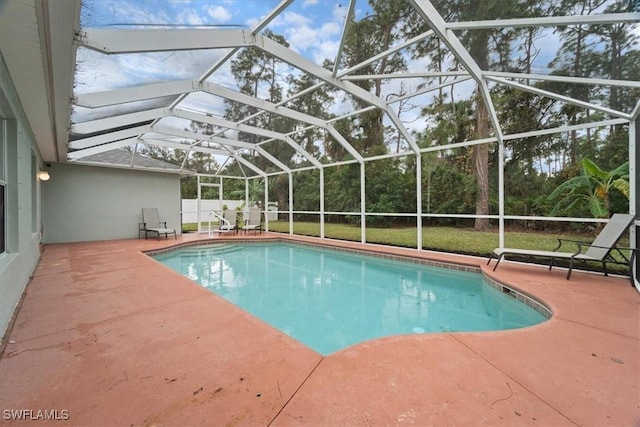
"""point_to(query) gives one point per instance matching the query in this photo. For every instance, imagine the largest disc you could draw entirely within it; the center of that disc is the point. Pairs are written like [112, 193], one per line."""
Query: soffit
[36, 41]
[20, 45]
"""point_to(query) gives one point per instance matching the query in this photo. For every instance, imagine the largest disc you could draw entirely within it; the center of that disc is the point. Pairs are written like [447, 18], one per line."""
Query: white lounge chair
[151, 224]
[230, 222]
[601, 250]
[255, 220]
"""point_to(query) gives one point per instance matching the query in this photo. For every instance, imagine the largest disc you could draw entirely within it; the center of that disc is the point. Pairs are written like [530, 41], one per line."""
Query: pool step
[217, 248]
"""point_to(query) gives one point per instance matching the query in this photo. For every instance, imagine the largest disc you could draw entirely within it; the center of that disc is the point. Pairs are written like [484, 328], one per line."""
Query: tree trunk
[479, 49]
[481, 159]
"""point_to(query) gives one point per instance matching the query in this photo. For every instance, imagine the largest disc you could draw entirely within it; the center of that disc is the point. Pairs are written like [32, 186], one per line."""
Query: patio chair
[601, 250]
[231, 218]
[255, 220]
[151, 224]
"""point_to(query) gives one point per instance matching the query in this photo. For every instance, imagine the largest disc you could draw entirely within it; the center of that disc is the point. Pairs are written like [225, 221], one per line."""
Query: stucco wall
[85, 203]
[20, 163]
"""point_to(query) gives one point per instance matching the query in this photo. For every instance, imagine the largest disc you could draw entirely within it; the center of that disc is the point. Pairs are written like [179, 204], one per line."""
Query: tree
[577, 58]
[591, 189]
[489, 48]
[257, 74]
[520, 111]
[389, 188]
[306, 185]
[256, 192]
[452, 122]
[617, 40]
[619, 59]
[371, 35]
[315, 104]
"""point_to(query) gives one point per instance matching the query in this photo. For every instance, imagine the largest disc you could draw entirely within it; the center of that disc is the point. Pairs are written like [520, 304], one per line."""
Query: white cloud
[223, 77]
[339, 13]
[302, 38]
[325, 50]
[252, 22]
[190, 17]
[97, 72]
[330, 29]
[132, 13]
[219, 13]
[312, 37]
[295, 19]
[202, 101]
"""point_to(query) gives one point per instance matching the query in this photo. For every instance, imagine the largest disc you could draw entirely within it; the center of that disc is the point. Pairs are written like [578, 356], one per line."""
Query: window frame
[3, 185]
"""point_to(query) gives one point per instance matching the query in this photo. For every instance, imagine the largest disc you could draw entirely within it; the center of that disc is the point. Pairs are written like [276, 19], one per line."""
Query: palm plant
[256, 192]
[591, 189]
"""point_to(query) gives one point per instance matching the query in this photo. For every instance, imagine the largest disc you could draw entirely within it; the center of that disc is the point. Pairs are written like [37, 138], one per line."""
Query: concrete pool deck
[106, 335]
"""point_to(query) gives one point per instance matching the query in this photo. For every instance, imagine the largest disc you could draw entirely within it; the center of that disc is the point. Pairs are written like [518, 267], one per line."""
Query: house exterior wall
[20, 161]
[86, 203]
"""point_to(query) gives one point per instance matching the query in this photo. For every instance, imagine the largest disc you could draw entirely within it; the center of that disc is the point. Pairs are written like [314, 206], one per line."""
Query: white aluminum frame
[126, 129]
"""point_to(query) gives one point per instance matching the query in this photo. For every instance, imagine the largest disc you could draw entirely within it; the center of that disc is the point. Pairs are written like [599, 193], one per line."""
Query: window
[3, 185]
[2, 219]
[34, 193]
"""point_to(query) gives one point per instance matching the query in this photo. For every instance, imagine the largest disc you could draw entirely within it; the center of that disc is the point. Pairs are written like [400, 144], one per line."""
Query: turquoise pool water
[330, 299]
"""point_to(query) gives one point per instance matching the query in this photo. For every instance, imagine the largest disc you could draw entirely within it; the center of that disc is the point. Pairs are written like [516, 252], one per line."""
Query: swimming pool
[330, 299]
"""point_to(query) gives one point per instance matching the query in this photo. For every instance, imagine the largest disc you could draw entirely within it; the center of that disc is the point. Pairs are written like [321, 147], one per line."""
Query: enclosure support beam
[221, 192]
[563, 79]
[179, 146]
[501, 193]
[266, 203]
[222, 60]
[559, 97]
[430, 14]
[363, 208]
[419, 200]
[223, 142]
[94, 141]
[290, 203]
[246, 194]
[203, 118]
[132, 41]
[74, 155]
[154, 90]
[259, 27]
[198, 203]
[343, 39]
[634, 184]
[610, 18]
[344, 74]
[322, 202]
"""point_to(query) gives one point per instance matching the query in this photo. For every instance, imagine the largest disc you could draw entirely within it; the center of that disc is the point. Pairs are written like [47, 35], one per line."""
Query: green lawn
[449, 239]
[446, 239]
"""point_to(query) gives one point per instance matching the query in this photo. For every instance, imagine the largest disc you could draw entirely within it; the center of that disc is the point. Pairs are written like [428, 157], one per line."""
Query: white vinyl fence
[190, 209]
